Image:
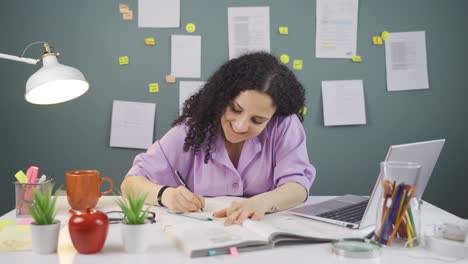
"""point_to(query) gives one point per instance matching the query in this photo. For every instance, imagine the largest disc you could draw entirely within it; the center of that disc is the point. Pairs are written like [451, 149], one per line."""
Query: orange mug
[83, 188]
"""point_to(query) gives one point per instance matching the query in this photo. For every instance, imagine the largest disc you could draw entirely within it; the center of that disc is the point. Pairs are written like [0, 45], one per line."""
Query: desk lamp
[53, 83]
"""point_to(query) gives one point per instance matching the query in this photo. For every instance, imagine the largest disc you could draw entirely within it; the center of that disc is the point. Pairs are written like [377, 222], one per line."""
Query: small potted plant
[134, 224]
[45, 228]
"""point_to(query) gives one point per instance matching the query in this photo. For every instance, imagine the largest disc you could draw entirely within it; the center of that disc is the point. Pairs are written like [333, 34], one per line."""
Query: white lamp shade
[55, 83]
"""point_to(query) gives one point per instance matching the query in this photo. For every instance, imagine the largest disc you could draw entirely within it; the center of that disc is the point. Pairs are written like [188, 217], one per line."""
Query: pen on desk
[182, 182]
[191, 216]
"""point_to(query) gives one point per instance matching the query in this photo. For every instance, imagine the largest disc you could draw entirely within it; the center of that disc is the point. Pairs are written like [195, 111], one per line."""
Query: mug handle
[111, 185]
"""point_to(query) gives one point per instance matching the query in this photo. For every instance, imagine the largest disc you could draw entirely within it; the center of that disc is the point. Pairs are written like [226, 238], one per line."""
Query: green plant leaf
[132, 207]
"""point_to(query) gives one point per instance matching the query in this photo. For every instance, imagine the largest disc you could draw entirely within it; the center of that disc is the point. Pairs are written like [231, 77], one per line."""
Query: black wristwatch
[160, 193]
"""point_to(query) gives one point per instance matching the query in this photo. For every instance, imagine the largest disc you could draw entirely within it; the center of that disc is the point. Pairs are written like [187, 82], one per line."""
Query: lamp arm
[16, 58]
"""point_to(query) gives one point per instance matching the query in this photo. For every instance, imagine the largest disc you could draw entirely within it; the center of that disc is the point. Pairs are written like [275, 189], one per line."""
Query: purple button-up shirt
[276, 156]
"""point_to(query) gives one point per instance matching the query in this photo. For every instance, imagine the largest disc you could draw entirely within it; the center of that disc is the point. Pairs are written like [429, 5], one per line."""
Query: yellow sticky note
[385, 35]
[128, 15]
[356, 58]
[150, 41]
[297, 64]
[153, 87]
[21, 177]
[123, 8]
[123, 60]
[283, 30]
[170, 78]
[190, 27]
[376, 40]
[304, 110]
[284, 58]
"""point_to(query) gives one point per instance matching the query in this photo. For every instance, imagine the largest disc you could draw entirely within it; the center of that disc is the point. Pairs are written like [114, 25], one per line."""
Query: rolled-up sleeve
[157, 164]
[291, 158]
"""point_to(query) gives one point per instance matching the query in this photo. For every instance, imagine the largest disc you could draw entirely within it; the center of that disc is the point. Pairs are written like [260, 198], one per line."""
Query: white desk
[162, 250]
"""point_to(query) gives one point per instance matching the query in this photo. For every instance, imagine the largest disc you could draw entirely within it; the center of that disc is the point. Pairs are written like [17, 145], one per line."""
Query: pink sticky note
[25, 221]
[234, 252]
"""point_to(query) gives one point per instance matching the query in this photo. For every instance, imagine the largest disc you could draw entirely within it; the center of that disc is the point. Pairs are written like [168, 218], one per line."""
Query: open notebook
[204, 238]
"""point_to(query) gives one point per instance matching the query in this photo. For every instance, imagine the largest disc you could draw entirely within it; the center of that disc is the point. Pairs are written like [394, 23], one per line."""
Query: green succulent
[132, 208]
[43, 209]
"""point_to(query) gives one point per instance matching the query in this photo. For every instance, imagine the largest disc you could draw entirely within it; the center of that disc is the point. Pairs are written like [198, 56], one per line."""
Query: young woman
[239, 135]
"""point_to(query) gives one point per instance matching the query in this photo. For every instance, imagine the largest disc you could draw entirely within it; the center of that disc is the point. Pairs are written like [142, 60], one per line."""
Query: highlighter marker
[32, 174]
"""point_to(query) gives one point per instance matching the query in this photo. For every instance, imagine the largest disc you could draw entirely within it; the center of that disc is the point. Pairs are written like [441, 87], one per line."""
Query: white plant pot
[133, 237]
[45, 237]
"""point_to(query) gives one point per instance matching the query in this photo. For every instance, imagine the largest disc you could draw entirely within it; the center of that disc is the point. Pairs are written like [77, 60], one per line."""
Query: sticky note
[211, 252]
[356, 58]
[376, 40]
[297, 64]
[7, 222]
[123, 60]
[385, 35]
[25, 221]
[123, 8]
[128, 15]
[153, 87]
[234, 252]
[304, 110]
[190, 27]
[284, 58]
[283, 30]
[21, 177]
[170, 78]
[150, 41]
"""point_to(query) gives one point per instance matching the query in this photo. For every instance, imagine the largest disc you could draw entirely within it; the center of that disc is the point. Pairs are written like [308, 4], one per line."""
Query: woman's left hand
[237, 212]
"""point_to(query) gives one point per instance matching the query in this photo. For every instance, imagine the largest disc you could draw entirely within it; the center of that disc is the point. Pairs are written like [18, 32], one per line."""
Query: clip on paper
[170, 78]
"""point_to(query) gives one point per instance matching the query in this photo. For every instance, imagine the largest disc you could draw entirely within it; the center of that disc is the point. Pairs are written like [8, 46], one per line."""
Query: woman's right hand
[182, 200]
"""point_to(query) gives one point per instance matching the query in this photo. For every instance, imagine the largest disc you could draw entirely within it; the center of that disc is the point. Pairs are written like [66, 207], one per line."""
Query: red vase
[88, 230]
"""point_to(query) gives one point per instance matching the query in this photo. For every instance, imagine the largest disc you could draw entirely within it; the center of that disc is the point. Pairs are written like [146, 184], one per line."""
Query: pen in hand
[182, 182]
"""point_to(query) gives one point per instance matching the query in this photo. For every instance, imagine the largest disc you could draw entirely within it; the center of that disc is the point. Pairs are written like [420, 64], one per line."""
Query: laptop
[359, 212]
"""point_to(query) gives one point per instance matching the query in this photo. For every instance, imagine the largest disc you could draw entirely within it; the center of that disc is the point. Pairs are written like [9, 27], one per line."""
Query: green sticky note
[356, 58]
[21, 177]
[297, 64]
[385, 35]
[284, 58]
[7, 222]
[283, 30]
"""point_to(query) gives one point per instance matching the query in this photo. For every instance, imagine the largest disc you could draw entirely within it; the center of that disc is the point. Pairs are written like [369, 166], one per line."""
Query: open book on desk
[204, 238]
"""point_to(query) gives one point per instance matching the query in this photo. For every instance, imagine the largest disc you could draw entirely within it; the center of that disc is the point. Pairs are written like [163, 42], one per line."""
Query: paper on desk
[187, 89]
[343, 103]
[406, 62]
[13, 237]
[132, 124]
[249, 30]
[186, 56]
[159, 13]
[336, 28]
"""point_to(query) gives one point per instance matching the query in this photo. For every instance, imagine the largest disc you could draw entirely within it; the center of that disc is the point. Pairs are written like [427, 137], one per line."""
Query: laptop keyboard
[351, 214]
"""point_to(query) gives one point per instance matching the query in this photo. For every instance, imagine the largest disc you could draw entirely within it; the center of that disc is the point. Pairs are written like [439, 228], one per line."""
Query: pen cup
[398, 220]
[24, 194]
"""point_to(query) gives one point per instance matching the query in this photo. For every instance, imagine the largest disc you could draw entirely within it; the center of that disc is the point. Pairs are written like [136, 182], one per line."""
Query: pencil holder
[24, 194]
[398, 220]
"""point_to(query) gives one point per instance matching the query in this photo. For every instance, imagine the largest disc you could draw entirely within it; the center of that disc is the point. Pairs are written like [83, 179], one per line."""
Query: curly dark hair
[258, 71]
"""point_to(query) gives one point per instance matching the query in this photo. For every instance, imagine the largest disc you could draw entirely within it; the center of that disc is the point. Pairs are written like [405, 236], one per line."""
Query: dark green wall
[91, 36]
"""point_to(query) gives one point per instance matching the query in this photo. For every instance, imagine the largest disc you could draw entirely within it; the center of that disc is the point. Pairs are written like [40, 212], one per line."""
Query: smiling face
[246, 116]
